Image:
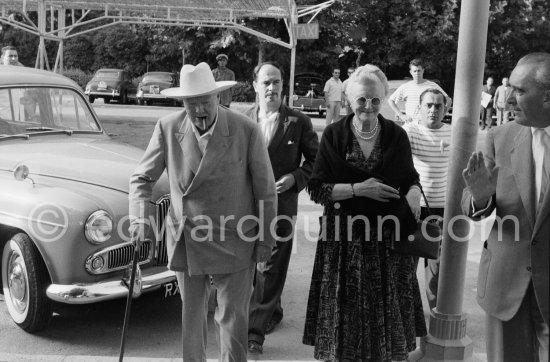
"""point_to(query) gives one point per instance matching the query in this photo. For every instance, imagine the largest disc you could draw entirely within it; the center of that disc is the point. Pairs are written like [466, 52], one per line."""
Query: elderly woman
[364, 302]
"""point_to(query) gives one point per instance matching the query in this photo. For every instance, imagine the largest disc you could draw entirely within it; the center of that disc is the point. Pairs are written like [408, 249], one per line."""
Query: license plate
[102, 85]
[170, 289]
[155, 90]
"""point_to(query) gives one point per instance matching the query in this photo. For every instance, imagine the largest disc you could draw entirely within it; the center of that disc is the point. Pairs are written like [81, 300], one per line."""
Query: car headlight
[88, 88]
[294, 97]
[99, 227]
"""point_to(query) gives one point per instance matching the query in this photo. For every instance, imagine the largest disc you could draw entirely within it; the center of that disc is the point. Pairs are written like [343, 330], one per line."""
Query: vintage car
[110, 84]
[152, 83]
[64, 202]
[308, 93]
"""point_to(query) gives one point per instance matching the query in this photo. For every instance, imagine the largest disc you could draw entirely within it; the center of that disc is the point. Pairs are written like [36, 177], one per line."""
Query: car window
[162, 78]
[25, 108]
[108, 74]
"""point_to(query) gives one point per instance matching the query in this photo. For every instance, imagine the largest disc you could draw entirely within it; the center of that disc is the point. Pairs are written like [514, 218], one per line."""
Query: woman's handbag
[426, 240]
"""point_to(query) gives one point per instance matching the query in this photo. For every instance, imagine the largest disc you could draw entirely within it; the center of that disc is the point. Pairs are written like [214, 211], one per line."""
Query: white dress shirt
[202, 140]
[267, 124]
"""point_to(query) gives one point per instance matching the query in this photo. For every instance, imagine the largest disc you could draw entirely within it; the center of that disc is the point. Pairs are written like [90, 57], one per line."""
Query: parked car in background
[110, 84]
[308, 93]
[152, 83]
[64, 202]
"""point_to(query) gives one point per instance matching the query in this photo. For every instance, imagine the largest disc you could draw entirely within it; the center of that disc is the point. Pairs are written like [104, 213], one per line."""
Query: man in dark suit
[512, 178]
[290, 136]
[223, 205]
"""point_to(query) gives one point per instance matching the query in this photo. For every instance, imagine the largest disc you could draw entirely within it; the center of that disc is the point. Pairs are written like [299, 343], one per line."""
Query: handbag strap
[426, 201]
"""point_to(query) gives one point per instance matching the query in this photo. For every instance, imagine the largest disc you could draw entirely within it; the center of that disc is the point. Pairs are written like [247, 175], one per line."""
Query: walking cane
[129, 301]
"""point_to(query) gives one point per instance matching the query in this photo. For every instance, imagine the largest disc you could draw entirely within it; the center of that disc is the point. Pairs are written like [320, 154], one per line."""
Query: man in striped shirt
[430, 145]
[410, 93]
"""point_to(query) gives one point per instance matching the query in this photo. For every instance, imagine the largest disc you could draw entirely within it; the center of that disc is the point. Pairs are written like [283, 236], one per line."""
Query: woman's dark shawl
[396, 170]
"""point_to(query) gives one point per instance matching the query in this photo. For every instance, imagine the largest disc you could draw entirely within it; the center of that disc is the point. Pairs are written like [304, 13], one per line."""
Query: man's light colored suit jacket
[216, 199]
[508, 263]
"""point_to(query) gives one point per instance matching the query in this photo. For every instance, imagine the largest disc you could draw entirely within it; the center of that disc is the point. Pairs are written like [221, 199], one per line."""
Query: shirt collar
[546, 129]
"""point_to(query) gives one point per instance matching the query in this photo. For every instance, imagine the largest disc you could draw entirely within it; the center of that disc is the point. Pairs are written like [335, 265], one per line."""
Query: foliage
[79, 76]
[243, 92]
[389, 33]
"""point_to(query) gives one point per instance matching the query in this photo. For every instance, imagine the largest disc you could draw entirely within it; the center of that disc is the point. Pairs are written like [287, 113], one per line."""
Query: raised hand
[481, 180]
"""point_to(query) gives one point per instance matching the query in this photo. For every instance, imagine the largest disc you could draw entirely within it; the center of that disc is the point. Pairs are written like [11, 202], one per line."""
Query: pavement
[284, 343]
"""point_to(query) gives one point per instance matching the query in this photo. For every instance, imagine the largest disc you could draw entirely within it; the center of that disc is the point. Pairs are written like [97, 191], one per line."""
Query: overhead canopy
[192, 13]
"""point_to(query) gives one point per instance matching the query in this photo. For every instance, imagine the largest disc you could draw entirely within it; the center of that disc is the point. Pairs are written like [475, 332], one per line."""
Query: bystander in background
[221, 74]
[410, 92]
[333, 97]
[487, 103]
[501, 95]
[10, 56]
[346, 100]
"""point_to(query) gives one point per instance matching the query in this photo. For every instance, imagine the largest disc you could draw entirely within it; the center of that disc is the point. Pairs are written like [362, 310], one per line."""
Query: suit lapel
[217, 146]
[521, 158]
[191, 152]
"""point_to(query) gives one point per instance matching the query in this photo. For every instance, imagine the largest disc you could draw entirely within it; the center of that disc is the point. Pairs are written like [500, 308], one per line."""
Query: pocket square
[291, 142]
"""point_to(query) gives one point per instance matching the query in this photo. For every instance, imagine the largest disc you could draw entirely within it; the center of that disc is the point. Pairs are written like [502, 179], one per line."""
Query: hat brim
[179, 92]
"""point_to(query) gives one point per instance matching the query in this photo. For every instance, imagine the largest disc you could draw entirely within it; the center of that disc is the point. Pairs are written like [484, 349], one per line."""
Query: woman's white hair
[368, 73]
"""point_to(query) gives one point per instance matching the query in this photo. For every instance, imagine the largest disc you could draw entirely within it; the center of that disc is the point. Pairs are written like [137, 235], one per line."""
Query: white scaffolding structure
[186, 13]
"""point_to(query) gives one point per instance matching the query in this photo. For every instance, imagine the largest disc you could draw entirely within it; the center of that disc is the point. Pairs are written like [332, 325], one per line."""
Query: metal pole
[447, 338]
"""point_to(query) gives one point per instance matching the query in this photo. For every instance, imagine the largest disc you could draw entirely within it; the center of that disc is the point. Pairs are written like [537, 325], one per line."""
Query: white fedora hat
[196, 81]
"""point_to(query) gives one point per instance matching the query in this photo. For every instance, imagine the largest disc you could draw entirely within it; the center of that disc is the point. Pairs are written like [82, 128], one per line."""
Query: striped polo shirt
[430, 152]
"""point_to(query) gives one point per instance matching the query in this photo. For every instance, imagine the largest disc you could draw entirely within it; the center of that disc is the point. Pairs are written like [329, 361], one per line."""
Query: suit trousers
[431, 266]
[524, 338]
[231, 316]
[269, 281]
[333, 111]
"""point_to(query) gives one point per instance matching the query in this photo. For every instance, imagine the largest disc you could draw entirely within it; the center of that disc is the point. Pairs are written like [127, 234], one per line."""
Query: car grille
[161, 255]
[122, 257]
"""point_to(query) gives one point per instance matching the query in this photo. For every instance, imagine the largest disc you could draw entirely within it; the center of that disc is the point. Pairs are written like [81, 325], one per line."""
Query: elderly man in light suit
[512, 177]
[292, 147]
[224, 201]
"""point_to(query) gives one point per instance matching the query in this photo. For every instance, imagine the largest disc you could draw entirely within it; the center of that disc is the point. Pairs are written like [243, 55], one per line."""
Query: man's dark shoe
[271, 326]
[255, 347]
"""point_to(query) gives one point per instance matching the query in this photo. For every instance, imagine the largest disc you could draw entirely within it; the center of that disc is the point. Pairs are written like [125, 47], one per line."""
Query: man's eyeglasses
[362, 101]
[437, 106]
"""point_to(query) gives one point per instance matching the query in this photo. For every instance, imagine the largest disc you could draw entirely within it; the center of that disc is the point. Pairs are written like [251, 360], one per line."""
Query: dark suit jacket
[513, 256]
[226, 185]
[294, 138]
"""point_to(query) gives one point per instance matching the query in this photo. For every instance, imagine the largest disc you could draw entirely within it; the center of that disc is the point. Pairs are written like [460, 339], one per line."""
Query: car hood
[100, 162]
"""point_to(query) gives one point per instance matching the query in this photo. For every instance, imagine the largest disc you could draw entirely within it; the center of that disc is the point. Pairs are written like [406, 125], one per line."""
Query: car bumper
[107, 290]
[112, 93]
[152, 96]
[309, 108]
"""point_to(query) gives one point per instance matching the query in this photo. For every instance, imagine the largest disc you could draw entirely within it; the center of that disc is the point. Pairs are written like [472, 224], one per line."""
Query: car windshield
[107, 74]
[28, 110]
[157, 78]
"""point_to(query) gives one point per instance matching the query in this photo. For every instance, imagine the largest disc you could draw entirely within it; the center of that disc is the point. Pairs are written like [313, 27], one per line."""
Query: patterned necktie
[542, 138]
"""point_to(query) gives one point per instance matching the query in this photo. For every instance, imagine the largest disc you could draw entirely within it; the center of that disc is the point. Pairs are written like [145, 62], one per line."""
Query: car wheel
[91, 99]
[24, 279]
[106, 100]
